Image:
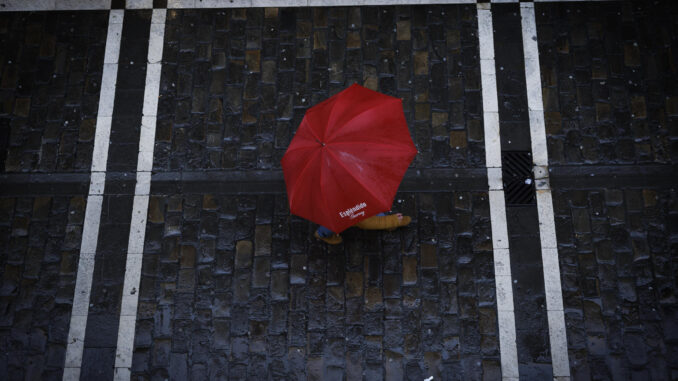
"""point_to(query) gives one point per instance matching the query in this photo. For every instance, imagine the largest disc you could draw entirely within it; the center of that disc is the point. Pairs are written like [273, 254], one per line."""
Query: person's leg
[383, 221]
[324, 232]
[327, 235]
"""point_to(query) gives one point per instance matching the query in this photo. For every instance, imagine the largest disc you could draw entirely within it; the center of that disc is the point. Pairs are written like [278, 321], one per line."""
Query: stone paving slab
[233, 286]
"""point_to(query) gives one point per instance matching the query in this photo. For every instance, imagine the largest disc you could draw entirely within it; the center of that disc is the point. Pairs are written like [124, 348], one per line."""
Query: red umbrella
[348, 157]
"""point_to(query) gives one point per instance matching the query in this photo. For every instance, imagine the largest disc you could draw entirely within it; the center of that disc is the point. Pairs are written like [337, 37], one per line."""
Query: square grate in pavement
[516, 169]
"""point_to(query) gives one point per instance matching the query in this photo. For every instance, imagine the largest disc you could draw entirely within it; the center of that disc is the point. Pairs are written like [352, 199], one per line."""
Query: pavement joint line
[130, 291]
[500, 243]
[91, 5]
[547, 230]
[90, 234]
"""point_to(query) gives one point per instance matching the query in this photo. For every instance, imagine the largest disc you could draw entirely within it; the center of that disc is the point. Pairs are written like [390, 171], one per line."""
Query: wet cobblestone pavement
[51, 73]
[236, 83]
[617, 249]
[609, 88]
[40, 238]
[231, 286]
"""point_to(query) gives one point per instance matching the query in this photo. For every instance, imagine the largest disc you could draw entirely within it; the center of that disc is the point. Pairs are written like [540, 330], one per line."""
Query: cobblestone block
[243, 254]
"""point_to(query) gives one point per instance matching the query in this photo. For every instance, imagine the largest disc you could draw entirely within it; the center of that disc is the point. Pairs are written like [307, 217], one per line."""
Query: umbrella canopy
[347, 158]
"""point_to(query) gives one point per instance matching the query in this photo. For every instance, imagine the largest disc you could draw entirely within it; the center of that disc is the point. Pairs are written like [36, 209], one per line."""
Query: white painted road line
[139, 4]
[90, 233]
[500, 244]
[547, 230]
[137, 233]
[80, 5]
[23, 5]
[65, 5]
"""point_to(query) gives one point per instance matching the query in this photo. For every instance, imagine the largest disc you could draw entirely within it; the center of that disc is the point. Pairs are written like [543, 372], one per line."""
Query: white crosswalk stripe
[135, 247]
[90, 234]
[547, 230]
[500, 244]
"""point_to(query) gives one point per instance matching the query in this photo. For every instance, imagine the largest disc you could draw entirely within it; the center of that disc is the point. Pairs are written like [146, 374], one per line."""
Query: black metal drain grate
[516, 170]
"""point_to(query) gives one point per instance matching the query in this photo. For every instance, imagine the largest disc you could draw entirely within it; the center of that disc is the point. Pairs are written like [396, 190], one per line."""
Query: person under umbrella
[346, 161]
[381, 221]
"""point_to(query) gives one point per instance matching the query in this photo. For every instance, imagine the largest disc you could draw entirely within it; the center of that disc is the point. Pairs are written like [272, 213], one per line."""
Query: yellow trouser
[389, 222]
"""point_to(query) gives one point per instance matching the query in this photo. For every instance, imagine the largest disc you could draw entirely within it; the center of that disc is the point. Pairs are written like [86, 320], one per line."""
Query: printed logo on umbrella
[351, 212]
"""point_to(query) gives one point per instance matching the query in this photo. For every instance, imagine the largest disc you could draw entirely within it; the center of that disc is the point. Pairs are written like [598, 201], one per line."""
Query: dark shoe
[334, 239]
